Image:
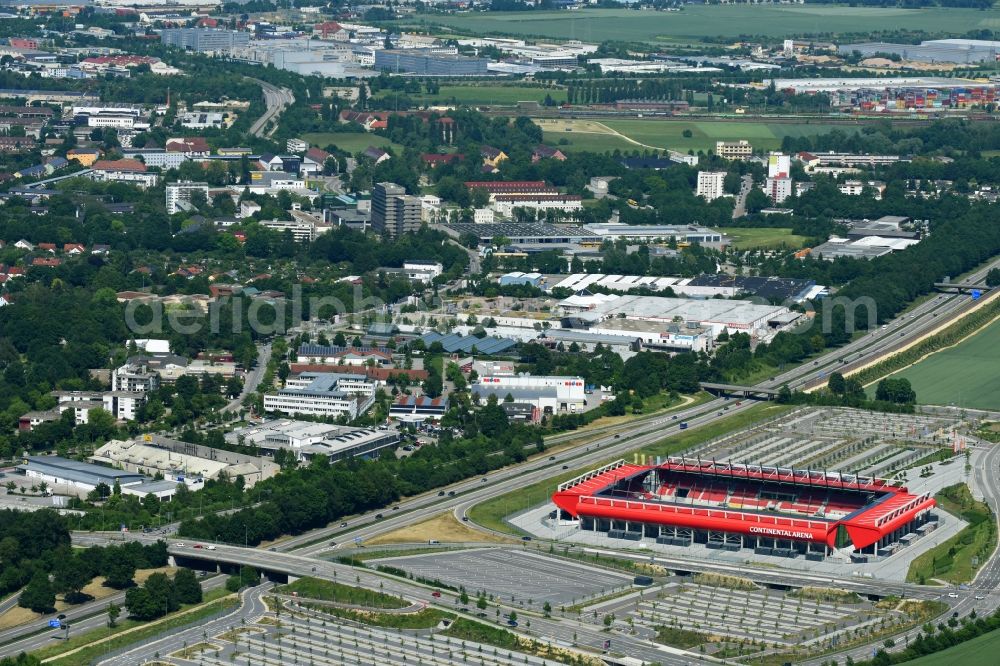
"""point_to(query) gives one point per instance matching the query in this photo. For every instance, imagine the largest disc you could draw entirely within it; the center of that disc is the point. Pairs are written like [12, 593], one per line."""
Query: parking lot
[516, 575]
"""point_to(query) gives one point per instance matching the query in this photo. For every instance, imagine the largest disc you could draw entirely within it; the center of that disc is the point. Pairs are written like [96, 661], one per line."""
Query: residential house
[314, 162]
[47, 262]
[492, 157]
[74, 249]
[435, 159]
[376, 155]
[24, 245]
[543, 152]
[85, 156]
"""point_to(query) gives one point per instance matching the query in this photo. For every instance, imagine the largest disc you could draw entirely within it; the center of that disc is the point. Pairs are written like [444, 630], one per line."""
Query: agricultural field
[764, 238]
[490, 94]
[600, 136]
[967, 374]
[695, 22]
[352, 143]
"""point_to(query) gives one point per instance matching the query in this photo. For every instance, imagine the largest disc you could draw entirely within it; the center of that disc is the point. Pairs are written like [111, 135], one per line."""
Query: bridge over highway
[736, 389]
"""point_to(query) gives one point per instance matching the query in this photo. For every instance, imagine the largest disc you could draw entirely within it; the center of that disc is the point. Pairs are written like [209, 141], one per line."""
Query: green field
[755, 239]
[731, 21]
[352, 143]
[494, 93]
[981, 651]
[599, 136]
[967, 374]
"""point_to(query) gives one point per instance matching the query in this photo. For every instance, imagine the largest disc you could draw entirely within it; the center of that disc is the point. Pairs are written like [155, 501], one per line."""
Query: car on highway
[210, 547]
[179, 544]
[565, 466]
[484, 479]
[395, 508]
[952, 595]
[451, 493]
[379, 516]
[618, 436]
[436, 594]
[552, 457]
[980, 597]
[526, 538]
[198, 545]
[440, 493]
[465, 519]
[344, 524]
[511, 623]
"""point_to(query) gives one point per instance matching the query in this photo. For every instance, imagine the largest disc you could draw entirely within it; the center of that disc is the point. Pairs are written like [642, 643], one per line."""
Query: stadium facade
[774, 510]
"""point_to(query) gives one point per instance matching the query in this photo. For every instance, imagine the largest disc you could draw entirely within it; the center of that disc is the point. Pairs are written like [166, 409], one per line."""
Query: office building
[204, 40]
[308, 440]
[710, 184]
[394, 212]
[422, 270]
[323, 394]
[135, 377]
[180, 192]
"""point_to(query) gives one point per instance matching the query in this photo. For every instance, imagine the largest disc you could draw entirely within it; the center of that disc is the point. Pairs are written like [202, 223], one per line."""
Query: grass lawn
[754, 239]
[694, 22]
[665, 133]
[352, 143]
[952, 560]
[424, 619]
[967, 374]
[981, 651]
[325, 590]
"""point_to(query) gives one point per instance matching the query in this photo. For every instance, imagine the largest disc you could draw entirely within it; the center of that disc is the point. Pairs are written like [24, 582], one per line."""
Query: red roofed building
[726, 505]
[192, 146]
[410, 408]
[434, 159]
[331, 30]
[49, 262]
[523, 187]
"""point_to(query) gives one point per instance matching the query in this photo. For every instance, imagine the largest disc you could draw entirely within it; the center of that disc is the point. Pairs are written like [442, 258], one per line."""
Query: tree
[187, 587]
[463, 598]
[38, 595]
[897, 391]
[481, 602]
[547, 609]
[339, 340]
[114, 611]
[71, 575]
[836, 383]
[120, 571]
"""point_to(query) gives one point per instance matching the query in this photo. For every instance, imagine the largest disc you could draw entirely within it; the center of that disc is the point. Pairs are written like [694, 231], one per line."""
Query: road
[276, 100]
[251, 606]
[630, 435]
[740, 207]
[85, 617]
[252, 378]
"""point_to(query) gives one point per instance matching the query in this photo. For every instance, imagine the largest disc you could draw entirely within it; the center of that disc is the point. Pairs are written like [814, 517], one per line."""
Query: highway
[628, 436]
[276, 99]
[85, 617]
[297, 555]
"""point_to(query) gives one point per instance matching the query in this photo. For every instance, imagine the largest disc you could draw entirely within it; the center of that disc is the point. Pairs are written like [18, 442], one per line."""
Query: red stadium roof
[867, 519]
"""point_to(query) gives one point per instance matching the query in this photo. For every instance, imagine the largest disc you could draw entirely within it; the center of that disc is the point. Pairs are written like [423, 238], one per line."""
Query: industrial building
[728, 506]
[455, 342]
[520, 278]
[422, 270]
[308, 440]
[549, 395]
[524, 233]
[182, 462]
[681, 233]
[718, 315]
[204, 40]
[75, 477]
[428, 63]
[959, 51]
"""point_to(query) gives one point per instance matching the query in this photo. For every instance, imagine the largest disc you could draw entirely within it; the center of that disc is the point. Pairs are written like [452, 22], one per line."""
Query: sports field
[663, 133]
[967, 375]
[981, 651]
[694, 22]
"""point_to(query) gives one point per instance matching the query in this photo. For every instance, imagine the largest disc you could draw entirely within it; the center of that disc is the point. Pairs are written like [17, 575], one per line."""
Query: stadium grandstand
[774, 510]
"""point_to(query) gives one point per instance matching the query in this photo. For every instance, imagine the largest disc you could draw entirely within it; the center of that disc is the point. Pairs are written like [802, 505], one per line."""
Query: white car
[210, 547]
[179, 544]
[980, 597]
[952, 595]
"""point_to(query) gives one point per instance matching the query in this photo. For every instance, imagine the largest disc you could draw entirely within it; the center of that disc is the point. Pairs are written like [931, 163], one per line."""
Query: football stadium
[773, 510]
